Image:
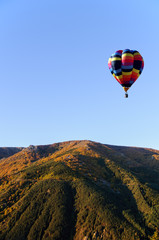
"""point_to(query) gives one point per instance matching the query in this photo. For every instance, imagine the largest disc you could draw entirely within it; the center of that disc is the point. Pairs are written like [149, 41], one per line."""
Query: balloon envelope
[126, 66]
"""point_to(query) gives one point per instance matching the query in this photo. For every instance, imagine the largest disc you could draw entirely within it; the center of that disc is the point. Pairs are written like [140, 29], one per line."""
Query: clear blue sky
[55, 84]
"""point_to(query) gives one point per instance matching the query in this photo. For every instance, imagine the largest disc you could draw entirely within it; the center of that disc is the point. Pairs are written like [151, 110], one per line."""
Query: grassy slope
[80, 190]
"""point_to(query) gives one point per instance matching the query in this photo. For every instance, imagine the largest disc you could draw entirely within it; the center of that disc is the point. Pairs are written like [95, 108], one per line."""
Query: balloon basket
[126, 95]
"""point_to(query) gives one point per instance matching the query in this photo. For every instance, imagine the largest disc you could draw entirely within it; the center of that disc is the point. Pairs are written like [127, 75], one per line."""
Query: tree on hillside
[155, 235]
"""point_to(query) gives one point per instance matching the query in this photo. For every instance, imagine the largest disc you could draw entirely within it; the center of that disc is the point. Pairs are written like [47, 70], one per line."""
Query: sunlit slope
[80, 190]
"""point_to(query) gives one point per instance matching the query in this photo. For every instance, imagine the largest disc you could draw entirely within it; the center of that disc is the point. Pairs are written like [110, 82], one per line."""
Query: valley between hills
[79, 190]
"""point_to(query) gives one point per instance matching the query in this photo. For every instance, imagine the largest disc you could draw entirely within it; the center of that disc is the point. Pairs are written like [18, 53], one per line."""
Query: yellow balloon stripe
[126, 73]
[127, 54]
[136, 70]
[136, 53]
[120, 77]
[116, 59]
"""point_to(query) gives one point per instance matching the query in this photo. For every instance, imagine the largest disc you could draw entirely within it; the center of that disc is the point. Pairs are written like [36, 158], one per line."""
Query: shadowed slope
[8, 151]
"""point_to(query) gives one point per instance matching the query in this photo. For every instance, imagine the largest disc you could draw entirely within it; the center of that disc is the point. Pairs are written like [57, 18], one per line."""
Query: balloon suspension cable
[126, 95]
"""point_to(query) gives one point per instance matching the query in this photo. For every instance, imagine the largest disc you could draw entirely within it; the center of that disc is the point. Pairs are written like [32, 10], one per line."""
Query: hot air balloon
[126, 66]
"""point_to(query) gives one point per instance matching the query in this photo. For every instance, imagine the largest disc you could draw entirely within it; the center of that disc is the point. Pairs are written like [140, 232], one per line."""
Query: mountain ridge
[9, 151]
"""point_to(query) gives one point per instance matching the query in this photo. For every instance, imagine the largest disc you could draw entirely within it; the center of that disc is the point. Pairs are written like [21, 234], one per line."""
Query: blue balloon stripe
[116, 54]
[117, 71]
[127, 67]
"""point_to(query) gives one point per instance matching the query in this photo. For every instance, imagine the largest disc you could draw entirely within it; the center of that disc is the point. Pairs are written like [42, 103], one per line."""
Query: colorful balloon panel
[126, 66]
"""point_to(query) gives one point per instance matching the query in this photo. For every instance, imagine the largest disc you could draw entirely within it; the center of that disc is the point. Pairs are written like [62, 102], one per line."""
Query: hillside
[8, 151]
[79, 190]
